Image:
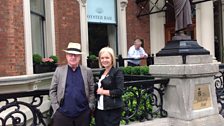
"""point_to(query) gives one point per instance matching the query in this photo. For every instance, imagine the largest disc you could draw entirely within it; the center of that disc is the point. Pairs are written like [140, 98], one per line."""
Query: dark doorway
[98, 37]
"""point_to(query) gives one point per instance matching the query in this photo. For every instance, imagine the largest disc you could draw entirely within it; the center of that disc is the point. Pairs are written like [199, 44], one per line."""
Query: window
[37, 26]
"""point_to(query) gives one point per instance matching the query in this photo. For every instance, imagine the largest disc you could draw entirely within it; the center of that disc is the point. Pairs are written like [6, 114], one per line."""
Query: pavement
[154, 122]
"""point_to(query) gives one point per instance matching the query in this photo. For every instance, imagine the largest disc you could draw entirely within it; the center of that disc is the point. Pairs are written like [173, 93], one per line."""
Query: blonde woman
[110, 90]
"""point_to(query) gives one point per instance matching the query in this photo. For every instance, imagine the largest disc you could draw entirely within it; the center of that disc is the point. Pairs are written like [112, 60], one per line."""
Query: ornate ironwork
[219, 86]
[144, 9]
[143, 99]
[14, 106]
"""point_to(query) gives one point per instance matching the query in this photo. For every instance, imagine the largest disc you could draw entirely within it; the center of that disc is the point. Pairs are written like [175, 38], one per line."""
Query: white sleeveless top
[100, 105]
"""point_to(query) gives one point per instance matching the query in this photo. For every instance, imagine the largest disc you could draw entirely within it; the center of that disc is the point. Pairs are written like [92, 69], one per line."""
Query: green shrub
[92, 57]
[136, 70]
[144, 107]
[37, 59]
[144, 70]
[127, 70]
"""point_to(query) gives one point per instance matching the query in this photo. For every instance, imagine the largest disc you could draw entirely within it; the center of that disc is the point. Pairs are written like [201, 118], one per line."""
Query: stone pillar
[205, 25]
[157, 21]
[190, 97]
[50, 28]
[122, 28]
[27, 37]
[84, 31]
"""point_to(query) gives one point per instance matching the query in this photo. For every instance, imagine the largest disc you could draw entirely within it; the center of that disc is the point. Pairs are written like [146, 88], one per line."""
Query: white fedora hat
[73, 48]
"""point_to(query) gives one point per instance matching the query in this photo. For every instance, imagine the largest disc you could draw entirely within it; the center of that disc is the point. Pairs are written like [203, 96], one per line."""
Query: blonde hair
[111, 52]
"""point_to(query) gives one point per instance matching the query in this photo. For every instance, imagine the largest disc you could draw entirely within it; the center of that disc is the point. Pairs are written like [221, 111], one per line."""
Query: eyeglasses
[71, 55]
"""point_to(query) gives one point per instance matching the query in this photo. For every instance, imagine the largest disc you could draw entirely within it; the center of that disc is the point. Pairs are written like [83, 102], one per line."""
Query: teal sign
[101, 11]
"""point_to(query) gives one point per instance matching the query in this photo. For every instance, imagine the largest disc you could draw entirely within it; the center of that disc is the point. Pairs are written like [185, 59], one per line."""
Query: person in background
[72, 91]
[110, 90]
[136, 52]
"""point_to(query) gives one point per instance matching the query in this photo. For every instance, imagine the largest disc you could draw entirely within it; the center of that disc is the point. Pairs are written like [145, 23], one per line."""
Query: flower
[47, 60]
[37, 59]
[42, 65]
[50, 60]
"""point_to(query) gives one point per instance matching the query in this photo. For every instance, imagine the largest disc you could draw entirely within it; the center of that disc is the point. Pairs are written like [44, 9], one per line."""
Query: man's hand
[143, 56]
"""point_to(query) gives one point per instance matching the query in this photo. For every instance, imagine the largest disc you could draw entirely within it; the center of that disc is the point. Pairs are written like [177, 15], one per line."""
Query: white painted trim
[49, 33]
[122, 27]
[157, 22]
[50, 28]
[205, 26]
[27, 37]
[84, 31]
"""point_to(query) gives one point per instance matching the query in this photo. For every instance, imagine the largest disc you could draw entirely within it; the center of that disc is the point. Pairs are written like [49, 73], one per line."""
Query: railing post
[150, 59]
[120, 60]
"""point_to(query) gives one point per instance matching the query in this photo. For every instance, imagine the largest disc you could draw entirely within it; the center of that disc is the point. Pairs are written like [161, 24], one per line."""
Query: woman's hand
[101, 91]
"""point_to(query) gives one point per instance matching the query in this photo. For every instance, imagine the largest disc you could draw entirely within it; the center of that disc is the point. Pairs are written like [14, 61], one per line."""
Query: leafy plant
[136, 109]
[42, 65]
[130, 97]
[144, 70]
[37, 59]
[92, 57]
[137, 70]
[127, 70]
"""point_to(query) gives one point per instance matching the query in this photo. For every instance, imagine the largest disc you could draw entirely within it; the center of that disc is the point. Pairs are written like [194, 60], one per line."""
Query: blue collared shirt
[75, 100]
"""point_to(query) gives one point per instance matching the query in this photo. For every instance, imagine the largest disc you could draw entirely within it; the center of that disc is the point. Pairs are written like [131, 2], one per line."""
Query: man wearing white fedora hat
[72, 91]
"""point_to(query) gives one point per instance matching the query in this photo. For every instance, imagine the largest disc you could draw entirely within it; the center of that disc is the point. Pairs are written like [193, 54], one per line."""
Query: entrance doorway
[101, 35]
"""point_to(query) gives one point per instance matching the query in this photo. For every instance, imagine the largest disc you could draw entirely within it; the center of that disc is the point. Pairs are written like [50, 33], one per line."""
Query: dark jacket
[114, 82]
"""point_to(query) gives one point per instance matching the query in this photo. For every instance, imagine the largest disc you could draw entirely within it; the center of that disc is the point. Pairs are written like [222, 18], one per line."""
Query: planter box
[43, 68]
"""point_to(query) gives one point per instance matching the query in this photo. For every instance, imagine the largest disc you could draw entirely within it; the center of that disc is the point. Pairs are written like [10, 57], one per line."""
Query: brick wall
[137, 27]
[12, 53]
[67, 25]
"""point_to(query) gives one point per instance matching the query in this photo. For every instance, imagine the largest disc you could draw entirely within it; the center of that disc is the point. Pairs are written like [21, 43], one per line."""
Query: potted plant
[37, 59]
[92, 61]
[42, 65]
[136, 73]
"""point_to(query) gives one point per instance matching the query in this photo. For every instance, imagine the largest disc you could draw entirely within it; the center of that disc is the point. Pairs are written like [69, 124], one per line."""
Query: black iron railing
[149, 60]
[219, 86]
[143, 98]
[93, 63]
[12, 106]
